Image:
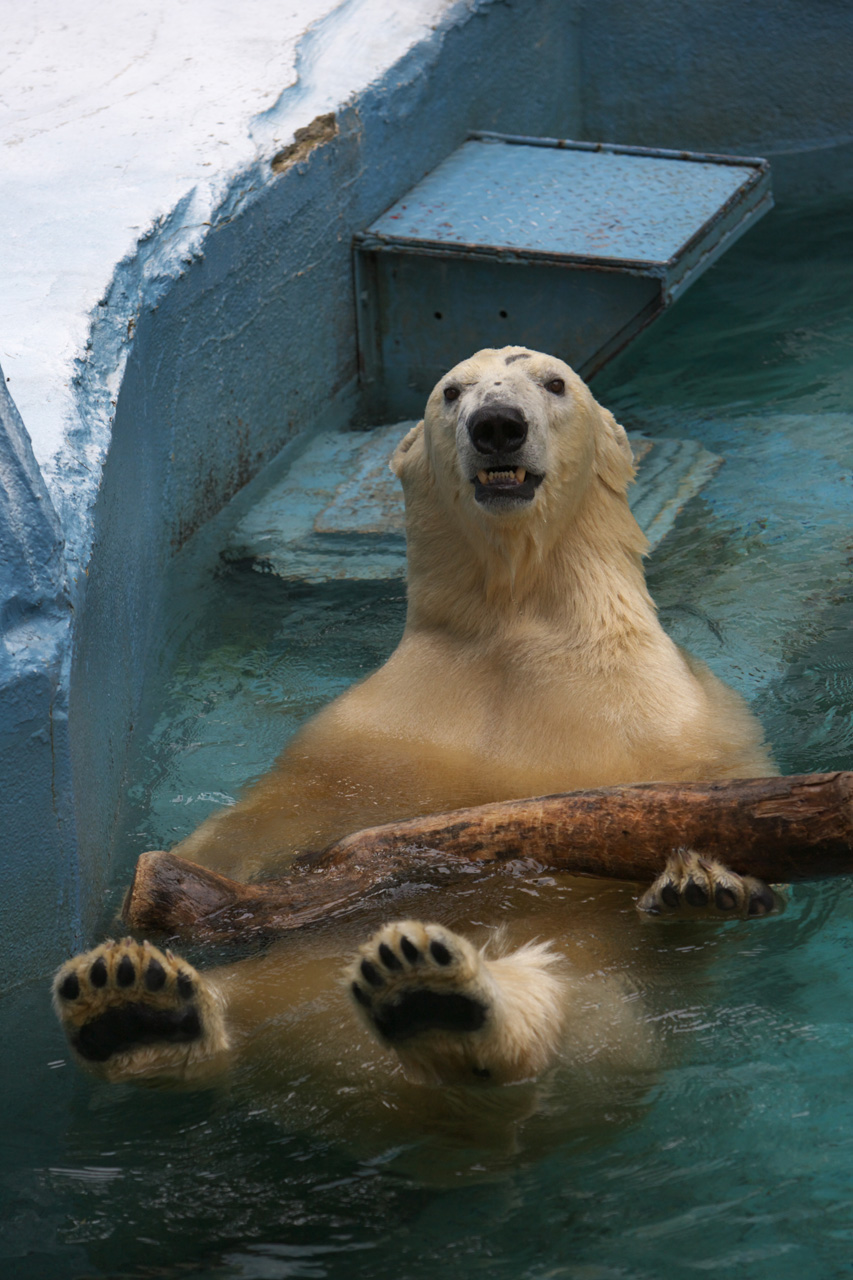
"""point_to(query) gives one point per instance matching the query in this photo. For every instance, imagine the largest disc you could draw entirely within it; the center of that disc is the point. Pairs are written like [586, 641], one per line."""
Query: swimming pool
[739, 1154]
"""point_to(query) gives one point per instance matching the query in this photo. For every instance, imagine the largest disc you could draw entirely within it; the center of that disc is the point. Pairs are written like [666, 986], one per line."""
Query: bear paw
[412, 977]
[426, 993]
[454, 1015]
[129, 1009]
[693, 886]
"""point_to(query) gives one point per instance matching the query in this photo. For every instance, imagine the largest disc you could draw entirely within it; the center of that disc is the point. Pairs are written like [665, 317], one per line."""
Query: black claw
[371, 974]
[669, 895]
[409, 950]
[724, 899]
[69, 988]
[155, 976]
[360, 995]
[439, 953]
[695, 895]
[483, 1072]
[386, 955]
[125, 973]
[761, 903]
[186, 986]
[98, 973]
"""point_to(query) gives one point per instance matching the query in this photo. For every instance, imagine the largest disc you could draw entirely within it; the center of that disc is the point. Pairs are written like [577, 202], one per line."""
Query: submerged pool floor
[739, 1155]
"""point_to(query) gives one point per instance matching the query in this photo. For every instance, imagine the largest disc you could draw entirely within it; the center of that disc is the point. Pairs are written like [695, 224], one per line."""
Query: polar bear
[532, 662]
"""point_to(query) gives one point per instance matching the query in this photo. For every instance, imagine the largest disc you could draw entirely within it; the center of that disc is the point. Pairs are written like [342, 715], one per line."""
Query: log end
[168, 894]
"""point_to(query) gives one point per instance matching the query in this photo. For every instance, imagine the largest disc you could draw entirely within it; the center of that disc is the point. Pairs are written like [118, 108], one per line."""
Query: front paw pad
[697, 887]
[411, 978]
[126, 995]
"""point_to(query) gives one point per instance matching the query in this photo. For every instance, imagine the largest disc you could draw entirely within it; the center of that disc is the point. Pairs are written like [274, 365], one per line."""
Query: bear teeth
[499, 477]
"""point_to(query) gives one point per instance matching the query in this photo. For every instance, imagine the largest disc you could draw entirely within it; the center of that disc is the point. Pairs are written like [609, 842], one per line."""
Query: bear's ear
[614, 461]
[410, 447]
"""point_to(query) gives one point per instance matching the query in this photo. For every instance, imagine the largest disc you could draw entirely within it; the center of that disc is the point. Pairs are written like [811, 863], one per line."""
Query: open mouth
[515, 483]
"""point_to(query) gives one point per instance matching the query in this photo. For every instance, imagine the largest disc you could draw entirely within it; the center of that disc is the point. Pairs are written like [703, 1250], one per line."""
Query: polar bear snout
[495, 451]
[497, 429]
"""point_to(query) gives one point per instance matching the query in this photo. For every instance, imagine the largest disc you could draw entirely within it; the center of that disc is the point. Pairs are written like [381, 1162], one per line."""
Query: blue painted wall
[38, 869]
[769, 77]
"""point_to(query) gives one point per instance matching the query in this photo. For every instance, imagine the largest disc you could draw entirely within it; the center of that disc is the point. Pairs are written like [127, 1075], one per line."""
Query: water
[739, 1154]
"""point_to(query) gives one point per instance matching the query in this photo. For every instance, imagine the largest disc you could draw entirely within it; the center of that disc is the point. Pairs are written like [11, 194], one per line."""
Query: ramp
[566, 247]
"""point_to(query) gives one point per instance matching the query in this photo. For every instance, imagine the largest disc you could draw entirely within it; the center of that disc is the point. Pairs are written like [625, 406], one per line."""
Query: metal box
[566, 247]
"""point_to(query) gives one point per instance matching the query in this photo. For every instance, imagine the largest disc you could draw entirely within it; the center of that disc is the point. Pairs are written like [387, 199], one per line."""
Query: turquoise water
[736, 1157]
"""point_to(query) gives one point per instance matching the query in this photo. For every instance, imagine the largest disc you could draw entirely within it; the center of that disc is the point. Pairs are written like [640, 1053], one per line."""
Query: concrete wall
[37, 849]
[769, 78]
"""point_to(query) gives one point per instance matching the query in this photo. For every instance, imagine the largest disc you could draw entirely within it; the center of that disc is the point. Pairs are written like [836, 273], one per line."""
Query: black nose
[497, 428]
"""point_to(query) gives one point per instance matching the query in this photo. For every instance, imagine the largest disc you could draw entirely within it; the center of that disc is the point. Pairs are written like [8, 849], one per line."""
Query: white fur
[532, 662]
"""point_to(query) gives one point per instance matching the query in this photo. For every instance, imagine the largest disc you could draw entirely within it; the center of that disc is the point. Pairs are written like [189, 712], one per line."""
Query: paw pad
[155, 976]
[412, 978]
[125, 995]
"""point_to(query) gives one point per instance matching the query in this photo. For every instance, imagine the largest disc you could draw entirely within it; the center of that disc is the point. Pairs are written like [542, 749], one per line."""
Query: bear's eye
[451, 394]
[556, 386]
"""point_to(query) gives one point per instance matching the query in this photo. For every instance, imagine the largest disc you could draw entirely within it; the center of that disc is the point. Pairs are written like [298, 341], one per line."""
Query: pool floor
[738, 1156]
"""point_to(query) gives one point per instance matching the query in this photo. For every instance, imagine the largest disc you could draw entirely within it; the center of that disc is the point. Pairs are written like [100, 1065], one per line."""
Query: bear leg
[454, 1015]
[130, 1010]
[692, 886]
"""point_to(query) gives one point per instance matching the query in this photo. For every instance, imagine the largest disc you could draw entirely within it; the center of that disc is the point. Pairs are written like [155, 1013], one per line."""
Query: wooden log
[170, 895]
[779, 829]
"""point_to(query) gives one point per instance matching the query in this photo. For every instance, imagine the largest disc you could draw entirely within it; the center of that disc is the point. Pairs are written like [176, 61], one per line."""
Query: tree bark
[778, 829]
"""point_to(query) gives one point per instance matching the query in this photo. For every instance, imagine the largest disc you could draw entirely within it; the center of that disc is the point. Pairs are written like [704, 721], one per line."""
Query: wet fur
[532, 662]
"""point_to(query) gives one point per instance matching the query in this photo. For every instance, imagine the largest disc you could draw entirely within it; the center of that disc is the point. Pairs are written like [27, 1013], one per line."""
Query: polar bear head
[513, 435]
